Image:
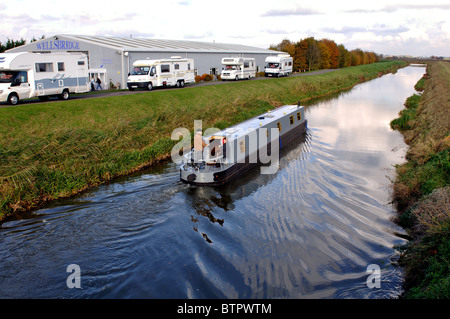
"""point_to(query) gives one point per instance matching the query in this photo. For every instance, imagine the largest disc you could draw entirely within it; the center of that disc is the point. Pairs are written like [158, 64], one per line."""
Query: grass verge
[421, 188]
[54, 150]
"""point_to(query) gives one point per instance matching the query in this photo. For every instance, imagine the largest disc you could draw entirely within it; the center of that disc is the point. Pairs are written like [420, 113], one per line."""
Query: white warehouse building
[111, 58]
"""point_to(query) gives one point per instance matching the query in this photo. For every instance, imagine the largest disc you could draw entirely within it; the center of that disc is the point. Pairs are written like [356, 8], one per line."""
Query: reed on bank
[58, 149]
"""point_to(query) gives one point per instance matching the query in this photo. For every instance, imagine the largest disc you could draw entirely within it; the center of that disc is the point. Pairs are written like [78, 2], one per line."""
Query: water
[308, 231]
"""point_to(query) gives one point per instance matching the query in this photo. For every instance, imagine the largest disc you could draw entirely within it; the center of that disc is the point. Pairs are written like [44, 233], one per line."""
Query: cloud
[394, 8]
[276, 31]
[125, 33]
[196, 36]
[291, 12]
[18, 19]
[381, 30]
[344, 30]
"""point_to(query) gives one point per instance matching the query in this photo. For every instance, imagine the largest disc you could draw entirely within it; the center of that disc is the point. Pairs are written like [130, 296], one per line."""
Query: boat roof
[254, 123]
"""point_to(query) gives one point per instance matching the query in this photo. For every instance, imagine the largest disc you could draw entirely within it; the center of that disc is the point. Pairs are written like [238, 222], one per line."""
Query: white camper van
[238, 68]
[26, 75]
[173, 71]
[280, 65]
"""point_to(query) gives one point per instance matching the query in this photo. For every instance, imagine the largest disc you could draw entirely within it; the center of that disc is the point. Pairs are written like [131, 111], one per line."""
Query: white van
[173, 71]
[26, 75]
[280, 65]
[238, 68]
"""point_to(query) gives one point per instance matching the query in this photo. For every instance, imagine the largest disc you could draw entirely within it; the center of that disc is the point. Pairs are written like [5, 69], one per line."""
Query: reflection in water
[308, 231]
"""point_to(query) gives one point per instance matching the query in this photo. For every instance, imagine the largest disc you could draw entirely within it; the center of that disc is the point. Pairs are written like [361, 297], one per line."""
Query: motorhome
[238, 68]
[280, 65]
[173, 71]
[26, 75]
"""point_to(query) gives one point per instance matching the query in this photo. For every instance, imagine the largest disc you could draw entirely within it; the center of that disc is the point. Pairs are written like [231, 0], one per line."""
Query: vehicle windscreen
[140, 70]
[273, 65]
[7, 76]
[231, 67]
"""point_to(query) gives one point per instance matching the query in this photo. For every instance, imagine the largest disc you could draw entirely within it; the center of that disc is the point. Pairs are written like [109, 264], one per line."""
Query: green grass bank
[54, 150]
[421, 188]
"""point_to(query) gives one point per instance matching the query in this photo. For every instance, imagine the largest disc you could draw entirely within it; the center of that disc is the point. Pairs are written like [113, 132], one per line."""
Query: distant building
[111, 58]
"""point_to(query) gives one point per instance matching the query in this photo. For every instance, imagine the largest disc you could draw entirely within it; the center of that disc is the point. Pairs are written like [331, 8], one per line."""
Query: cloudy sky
[419, 28]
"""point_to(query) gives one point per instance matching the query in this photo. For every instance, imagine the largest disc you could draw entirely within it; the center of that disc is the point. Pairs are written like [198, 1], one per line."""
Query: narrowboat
[231, 152]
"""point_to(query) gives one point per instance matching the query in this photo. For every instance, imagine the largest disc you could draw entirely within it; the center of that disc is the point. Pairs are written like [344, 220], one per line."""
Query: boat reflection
[209, 201]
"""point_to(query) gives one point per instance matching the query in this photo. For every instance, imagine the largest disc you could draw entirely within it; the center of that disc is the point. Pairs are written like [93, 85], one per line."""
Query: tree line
[9, 44]
[311, 54]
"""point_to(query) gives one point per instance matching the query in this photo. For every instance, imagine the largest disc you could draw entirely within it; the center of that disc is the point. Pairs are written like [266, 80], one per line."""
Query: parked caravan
[173, 71]
[280, 65]
[26, 75]
[238, 68]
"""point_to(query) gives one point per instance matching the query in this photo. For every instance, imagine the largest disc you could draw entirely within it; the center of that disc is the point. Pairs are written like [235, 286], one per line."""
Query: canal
[315, 229]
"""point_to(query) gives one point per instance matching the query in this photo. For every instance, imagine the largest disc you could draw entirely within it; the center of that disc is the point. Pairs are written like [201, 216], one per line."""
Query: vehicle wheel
[182, 83]
[64, 95]
[131, 89]
[13, 99]
[237, 78]
[150, 86]
[178, 85]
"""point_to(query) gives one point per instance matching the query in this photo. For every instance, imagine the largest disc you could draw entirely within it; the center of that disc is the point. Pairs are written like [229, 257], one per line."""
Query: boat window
[279, 126]
[291, 119]
[299, 116]
[242, 146]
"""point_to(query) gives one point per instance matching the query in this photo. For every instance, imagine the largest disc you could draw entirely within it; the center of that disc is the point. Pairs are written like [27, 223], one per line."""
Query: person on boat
[199, 145]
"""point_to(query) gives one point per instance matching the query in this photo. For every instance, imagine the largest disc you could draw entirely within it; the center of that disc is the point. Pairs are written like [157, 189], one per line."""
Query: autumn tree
[300, 61]
[333, 53]
[344, 57]
[324, 55]
[284, 46]
[310, 54]
[313, 55]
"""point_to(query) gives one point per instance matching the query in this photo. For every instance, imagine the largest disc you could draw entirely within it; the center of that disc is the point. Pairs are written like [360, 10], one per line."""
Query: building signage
[58, 45]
